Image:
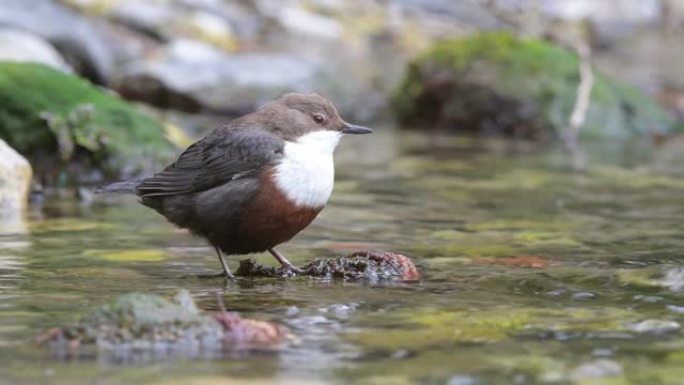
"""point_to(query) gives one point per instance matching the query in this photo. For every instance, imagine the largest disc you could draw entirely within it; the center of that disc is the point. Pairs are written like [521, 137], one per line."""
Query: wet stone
[597, 369]
[340, 310]
[462, 380]
[655, 326]
[668, 277]
[358, 266]
[153, 325]
[583, 296]
[648, 298]
[602, 352]
[676, 309]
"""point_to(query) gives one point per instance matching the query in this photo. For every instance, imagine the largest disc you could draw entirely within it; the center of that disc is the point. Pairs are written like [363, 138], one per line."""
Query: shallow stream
[532, 274]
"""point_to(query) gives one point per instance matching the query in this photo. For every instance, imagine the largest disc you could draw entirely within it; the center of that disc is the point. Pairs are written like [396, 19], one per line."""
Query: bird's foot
[224, 264]
[285, 265]
[218, 275]
[290, 268]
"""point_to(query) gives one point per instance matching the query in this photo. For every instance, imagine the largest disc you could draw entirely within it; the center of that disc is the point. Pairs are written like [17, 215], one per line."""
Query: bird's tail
[123, 187]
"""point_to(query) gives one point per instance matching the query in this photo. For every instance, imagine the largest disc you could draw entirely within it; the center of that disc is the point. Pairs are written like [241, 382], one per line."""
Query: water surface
[532, 274]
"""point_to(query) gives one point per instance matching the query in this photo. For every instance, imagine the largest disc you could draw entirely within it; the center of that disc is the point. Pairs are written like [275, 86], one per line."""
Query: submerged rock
[358, 266]
[141, 322]
[79, 134]
[655, 326]
[670, 277]
[496, 83]
[597, 369]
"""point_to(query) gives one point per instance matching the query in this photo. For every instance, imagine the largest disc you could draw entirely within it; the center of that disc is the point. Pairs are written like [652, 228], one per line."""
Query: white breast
[307, 173]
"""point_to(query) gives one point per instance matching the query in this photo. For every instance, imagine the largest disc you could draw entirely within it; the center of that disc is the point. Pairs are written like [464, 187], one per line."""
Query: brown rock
[358, 266]
[247, 332]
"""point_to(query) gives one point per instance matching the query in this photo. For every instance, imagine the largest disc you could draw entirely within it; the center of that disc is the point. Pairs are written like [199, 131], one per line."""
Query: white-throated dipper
[255, 182]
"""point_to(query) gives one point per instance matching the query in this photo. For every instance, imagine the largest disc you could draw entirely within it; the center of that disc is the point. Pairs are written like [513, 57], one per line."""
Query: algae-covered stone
[498, 83]
[140, 309]
[56, 119]
[670, 277]
[428, 326]
[142, 322]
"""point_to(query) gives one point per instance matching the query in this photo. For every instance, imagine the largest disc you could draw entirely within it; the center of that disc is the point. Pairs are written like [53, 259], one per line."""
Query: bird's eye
[318, 118]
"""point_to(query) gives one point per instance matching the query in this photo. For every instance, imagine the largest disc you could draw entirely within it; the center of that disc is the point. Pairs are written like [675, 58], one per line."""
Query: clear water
[532, 274]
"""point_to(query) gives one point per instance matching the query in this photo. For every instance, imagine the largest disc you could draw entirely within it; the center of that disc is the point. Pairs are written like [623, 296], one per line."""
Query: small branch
[579, 112]
[531, 22]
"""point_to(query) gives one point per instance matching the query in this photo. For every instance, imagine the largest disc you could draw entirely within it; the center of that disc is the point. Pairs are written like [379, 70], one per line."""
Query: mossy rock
[62, 122]
[496, 83]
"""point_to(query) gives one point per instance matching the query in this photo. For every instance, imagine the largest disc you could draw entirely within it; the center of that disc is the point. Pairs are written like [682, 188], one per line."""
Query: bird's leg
[224, 264]
[283, 261]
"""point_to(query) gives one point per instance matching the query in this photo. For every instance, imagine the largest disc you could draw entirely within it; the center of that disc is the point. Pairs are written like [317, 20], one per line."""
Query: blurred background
[528, 154]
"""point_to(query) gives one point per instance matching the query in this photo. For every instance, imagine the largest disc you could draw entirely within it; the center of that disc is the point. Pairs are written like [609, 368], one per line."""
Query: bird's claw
[218, 275]
[289, 270]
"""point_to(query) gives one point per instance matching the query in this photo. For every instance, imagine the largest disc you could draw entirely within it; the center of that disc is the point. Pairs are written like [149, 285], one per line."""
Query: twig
[579, 112]
[532, 23]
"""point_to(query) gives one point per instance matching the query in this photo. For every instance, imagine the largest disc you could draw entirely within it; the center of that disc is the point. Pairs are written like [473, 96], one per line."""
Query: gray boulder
[73, 36]
[22, 46]
[194, 77]
[151, 17]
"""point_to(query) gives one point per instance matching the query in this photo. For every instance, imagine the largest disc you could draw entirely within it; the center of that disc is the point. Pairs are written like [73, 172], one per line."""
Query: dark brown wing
[223, 155]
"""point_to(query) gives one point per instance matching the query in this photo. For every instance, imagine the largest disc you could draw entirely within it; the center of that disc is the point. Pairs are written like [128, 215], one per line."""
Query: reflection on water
[532, 274]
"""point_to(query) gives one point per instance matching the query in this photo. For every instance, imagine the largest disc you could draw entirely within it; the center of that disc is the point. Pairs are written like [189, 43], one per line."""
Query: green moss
[143, 308]
[45, 113]
[432, 327]
[68, 225]
[518, 225]
[635, 179]
[545, 238]
[136, 255]
[517, 86]
[651, 277]
[427, 327]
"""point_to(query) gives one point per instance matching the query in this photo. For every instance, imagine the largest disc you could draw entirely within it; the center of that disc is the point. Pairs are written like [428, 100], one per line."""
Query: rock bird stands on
[255, 182]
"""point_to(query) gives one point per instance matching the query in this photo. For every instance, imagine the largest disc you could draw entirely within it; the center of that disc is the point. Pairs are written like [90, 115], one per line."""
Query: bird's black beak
[354, 129]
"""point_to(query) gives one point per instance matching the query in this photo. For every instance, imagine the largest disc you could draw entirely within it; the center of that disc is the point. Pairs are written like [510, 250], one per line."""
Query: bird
[255, 182]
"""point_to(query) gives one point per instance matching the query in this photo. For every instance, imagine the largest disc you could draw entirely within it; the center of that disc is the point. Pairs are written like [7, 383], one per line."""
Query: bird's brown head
[295, 115]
